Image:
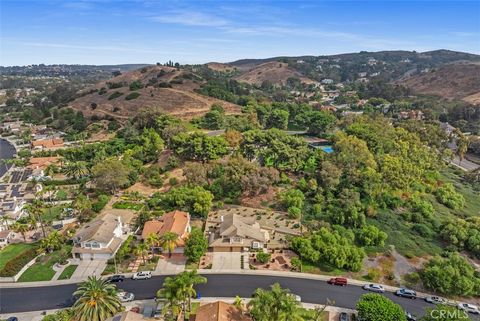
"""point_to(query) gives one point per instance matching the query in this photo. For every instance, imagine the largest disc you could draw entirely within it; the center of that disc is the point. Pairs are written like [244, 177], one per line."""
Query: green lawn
[128, 205]
[13, 250]
[42, 270]
[52, 214]
[68, 272]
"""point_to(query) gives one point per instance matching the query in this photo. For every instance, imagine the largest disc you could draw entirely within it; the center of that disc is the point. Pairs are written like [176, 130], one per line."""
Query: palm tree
[238, 303]
[170, 292]
[97, 300]
[168, 241]
[277, 304]
[35, 210]
[141, 250]
[189, 279]
[52, 242]
[152, 240]
[32, 222]
[75, 170]
[22, 229]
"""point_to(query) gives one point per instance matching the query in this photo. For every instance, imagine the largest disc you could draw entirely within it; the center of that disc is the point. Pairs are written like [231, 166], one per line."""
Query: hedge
[17, 263]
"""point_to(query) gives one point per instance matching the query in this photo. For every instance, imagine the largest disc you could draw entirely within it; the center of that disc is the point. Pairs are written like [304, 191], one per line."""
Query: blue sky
[147, 31]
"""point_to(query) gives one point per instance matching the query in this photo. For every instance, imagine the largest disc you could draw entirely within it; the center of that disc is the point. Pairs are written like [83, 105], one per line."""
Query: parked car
[297, 297]
[343, 317]
[435, 300]
[406, 293]
[125, 296]
[374, 288]
[470, 308]
[338, 281]
[116, 278]
[12, 319]
[142, 275]
[410, 317]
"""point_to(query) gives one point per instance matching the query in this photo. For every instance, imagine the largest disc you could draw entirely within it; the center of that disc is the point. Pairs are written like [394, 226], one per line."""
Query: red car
[338, 281]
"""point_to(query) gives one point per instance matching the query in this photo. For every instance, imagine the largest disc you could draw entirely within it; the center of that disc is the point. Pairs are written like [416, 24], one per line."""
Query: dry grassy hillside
[274, 72]
[451, 81]
[179, 100]
[217, 66]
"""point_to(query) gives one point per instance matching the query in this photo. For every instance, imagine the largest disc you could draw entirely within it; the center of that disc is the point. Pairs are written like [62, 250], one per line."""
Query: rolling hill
[449, 81]
[274, 72]
[167, 88]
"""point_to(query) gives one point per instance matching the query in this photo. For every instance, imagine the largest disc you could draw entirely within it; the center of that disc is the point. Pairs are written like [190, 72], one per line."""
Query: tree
[196, 245]
[22, 229]
[292, 198]
[97, 300]
[110, 175]
[171, 293]
[169, 242]
[278, 118]
[452, 276]
[152, 240]
[317, 122]
[376, 307]
[189, 279]
[199, 146]
[82, 203]
[152, 145]
[370, 235]
[263, 257]
[445, 313]
[52, 242]
[35, 209]
[275, 304]
[141, 250]
[75, 170]
[195, 200]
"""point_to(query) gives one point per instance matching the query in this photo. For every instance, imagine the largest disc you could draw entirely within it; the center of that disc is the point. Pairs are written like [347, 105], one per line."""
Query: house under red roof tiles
[177, 222]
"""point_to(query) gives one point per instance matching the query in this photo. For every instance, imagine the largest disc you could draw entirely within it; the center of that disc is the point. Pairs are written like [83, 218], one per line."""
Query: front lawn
[42, 270]
[52, 213]
[13, 250]
[68, 272]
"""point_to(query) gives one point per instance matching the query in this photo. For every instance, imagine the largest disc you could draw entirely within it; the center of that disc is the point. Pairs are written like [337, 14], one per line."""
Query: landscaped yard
[13, 250]
[42, 270]
[68, 272]
[52, 213]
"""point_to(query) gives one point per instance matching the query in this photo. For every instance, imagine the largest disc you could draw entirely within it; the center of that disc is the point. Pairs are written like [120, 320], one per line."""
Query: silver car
[435, 300]
[125, 296]
[470, 308]
[374, 288]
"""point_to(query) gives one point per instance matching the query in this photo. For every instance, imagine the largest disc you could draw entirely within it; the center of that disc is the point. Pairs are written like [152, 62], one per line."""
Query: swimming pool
[327, 149]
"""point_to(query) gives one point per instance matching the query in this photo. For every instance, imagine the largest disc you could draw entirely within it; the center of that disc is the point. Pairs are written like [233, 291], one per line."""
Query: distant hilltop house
[371, 61]
[48, 143]
[362, 74]
[327, 81]
[412, 114]
[233, 233]
[101, 238]
[177, 222]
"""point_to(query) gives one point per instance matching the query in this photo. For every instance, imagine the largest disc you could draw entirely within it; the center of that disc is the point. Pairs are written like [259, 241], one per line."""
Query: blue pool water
[327, 149]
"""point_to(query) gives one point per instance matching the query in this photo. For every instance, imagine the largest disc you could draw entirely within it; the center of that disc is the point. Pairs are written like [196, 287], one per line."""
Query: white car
[435, 300]
[142, 275]
[374, 288]
[126, 296]
[470, 308]
[296, 297]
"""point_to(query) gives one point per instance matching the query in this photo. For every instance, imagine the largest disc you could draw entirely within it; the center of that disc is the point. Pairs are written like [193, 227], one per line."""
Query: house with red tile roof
[177, 222]
[47, 143]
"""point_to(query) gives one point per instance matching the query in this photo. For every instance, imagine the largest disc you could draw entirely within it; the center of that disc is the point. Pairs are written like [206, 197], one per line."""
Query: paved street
[219, 285]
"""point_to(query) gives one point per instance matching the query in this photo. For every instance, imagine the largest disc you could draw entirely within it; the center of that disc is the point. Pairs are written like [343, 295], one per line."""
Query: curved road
[219, 285]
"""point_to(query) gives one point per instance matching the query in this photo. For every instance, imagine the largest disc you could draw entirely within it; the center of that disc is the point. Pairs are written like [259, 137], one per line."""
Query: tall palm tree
[32, 222]
[171, 293]
[152, 240]
[97, 300]
[169, 241]
[189, 279]
[22, 229]
[277, 304]
[141, 250]
[35, 209]
[52, 242]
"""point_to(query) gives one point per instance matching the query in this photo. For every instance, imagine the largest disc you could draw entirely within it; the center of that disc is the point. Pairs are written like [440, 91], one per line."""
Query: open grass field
[13, 250]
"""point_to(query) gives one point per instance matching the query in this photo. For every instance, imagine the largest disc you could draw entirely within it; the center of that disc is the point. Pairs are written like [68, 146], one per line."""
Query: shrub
[132, 96]
[447, 195]
[115, 95]
[173, 181]
[136, 85]
[263, 257]
[114, 85]
[100, 203]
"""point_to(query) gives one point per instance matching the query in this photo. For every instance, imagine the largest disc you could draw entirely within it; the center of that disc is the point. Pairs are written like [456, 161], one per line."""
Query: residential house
[327, 81]
[43, 162]
[177, 222]
[12, 126]
[129, 316]
[219, 311]
[101, 238]
[234, 233]
[5, 237]
[48, 143]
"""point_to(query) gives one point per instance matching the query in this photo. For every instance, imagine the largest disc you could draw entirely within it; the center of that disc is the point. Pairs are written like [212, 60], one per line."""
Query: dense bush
[132, 96]
[447, 195]
[376, 307]
[263, 257]
[195, 200]
[136, 85]
[453, 275]
[115, 95]
[100, 203]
